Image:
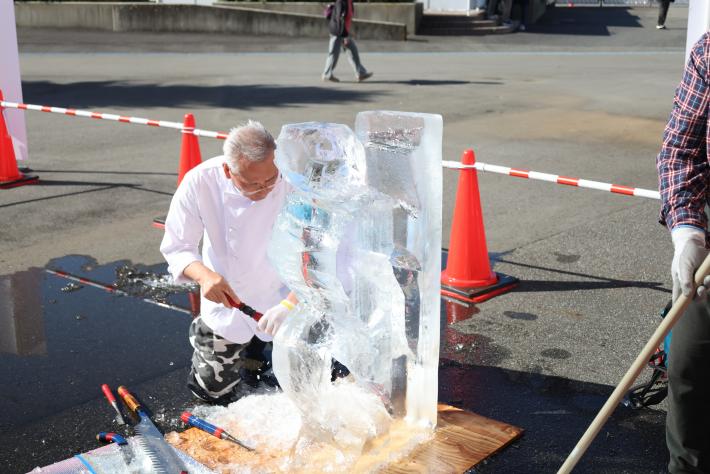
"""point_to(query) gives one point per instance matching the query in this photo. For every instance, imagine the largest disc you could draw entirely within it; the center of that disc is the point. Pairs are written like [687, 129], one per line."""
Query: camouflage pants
[219, 367]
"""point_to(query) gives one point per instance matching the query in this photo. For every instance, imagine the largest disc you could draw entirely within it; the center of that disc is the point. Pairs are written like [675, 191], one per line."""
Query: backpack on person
[328, 11]
[336, 22]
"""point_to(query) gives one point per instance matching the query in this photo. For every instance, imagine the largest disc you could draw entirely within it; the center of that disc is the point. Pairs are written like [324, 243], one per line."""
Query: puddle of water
[57, 347]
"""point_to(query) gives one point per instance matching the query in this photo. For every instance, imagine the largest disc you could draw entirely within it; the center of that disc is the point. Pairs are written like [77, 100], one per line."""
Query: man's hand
[271, 321]
[213, 285]
[690, 251]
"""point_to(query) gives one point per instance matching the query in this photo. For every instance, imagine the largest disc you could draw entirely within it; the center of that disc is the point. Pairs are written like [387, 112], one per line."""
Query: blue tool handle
[191, 419]
[111, 438]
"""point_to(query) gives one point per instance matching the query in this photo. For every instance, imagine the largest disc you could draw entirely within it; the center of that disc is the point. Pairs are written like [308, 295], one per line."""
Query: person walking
[662, 13]
[339, 26]
[684, 182]
[505, 7]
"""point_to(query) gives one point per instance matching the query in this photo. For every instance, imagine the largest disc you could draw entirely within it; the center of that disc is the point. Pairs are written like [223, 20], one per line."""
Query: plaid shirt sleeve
[683, 170]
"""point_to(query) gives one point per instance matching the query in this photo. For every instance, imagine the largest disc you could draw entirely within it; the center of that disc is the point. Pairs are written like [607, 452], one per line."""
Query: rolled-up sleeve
[682, 163]
[183, 230]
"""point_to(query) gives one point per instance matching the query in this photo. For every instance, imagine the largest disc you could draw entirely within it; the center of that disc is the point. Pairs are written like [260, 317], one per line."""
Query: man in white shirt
[230, 202]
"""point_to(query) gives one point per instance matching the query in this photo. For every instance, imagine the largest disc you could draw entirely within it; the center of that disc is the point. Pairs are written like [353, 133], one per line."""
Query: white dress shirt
[236, 232]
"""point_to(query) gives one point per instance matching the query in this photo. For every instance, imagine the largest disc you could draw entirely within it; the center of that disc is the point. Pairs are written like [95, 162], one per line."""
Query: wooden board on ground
[462, 439]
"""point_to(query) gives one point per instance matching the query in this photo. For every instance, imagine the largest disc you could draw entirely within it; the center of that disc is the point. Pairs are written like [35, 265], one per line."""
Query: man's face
[254, 180]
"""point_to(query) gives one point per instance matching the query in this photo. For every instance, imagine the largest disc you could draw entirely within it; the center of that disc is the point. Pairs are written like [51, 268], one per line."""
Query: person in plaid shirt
[684, 178]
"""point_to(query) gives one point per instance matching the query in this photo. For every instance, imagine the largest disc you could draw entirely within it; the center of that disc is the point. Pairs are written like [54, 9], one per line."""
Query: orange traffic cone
[190, 155]
[10, 175]
[468, 274]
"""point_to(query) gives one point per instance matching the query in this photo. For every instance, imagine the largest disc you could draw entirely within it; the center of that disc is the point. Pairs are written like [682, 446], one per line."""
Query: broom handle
[676, 311]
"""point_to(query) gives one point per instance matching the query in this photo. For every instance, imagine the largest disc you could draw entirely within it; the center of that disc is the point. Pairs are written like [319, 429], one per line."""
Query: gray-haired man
[230, 202]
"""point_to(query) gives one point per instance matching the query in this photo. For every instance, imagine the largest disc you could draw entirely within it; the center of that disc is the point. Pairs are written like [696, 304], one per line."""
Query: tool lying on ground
[676, 311]
[245, 308]
[112, 400]
[162, 457]
[123, 447]
[190, 419]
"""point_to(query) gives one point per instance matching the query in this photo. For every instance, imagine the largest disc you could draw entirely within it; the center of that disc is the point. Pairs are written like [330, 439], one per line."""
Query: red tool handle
[231, 301]
[107, 392]
[244, 308]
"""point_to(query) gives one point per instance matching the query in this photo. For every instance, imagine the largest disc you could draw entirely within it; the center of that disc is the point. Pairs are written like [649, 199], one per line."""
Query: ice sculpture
[359, 242]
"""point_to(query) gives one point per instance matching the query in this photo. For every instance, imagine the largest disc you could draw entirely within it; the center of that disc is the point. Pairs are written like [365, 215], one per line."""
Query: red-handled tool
[244, 308]
[112, 400]
[190, 419]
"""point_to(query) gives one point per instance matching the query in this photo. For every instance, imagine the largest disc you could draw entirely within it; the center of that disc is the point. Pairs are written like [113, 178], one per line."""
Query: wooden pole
[676, 311]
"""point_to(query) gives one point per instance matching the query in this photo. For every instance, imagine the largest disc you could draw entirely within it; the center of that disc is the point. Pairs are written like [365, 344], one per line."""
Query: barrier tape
[553, 178]
[113, 289]
[518, 173]
[116, 118]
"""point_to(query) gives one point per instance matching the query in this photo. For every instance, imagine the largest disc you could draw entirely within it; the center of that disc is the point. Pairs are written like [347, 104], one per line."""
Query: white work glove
[272, 320]
[690, 251]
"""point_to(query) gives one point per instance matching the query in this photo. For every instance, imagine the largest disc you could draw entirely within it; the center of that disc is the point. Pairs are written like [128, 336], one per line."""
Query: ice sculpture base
[462, 439]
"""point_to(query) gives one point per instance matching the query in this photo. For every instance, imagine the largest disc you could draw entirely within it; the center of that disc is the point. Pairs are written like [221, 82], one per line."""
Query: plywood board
[462, 439]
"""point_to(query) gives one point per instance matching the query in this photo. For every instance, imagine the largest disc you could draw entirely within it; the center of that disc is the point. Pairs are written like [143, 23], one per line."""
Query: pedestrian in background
[505, 7]
[662, 13]
[339, 26]
[523, 4]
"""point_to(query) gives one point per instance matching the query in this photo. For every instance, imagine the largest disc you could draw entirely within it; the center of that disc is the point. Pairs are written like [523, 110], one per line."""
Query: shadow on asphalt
[426, 82]
[585, 21]
[566, 285]
[102, 172]
[102, 186]
[554, 412]
[129, 94]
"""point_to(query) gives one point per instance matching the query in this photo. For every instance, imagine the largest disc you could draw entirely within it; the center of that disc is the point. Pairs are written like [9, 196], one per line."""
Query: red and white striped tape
[553, 178]
[116, 118]
[518, 173]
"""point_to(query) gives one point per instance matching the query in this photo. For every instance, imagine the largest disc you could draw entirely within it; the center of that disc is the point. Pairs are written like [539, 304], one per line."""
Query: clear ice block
[359, 242]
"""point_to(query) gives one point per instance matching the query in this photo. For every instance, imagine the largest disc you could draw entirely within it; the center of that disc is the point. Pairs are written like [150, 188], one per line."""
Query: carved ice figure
[351, 245]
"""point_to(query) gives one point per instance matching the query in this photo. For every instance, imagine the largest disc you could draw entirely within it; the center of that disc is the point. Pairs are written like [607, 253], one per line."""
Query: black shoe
[363, 77]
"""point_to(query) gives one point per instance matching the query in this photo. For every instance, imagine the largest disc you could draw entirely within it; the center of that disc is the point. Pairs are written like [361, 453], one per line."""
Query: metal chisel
[162, 457]
[112, 400]
[190, 419]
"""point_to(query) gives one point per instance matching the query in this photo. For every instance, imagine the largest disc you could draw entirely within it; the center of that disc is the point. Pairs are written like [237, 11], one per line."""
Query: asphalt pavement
[585, 93]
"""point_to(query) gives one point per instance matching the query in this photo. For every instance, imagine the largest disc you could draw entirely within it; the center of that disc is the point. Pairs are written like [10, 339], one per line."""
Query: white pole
[10, 78]
[698, 23]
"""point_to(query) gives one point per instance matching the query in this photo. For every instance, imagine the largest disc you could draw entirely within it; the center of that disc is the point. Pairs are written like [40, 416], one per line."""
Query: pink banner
[10, 78]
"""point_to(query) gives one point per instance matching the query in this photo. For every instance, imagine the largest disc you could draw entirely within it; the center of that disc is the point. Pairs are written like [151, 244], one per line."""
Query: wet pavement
[63, 339]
